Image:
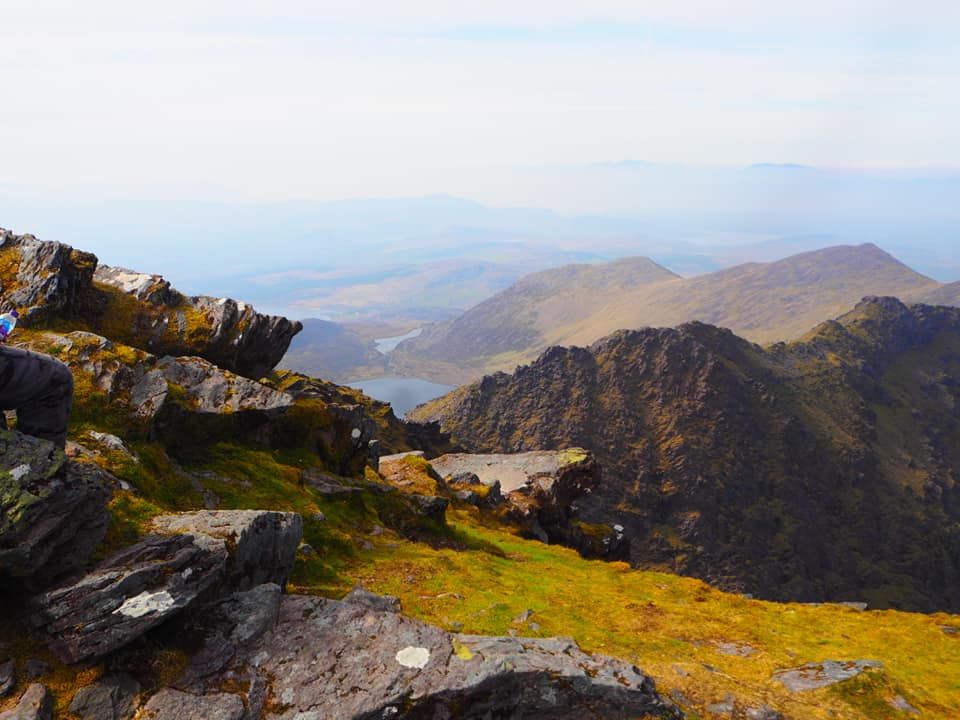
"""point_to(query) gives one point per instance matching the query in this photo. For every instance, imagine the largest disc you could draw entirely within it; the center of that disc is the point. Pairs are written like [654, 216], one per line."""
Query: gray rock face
[128, 594]
[50, 278]
[231, 334]
[35, 704]
[263, 543]
[213, 390]
[52, 512]
[818, 675]
[226, 626]
[175, 705]
[113, 698]
[360, 659]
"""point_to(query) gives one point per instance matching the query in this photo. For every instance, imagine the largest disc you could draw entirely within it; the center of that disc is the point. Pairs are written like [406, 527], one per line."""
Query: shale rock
[7, 680]
[35, 704]
[225, 627]
[263, 544]
[52, 512]
[175, 705]
[112, 698]
[51, 277]
[128, 594]
[320, 655]
[226, 332]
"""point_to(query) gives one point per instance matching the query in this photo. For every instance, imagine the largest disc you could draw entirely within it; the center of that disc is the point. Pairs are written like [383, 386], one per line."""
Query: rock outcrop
[49, 280]
[542, 490]
[35, 704]
[317, 663]
[42, 279]
[53, 512]
[224, 331]
[820, 470]
[146, 584]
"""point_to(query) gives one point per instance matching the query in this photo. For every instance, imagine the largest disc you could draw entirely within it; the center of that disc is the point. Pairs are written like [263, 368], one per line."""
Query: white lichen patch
[19, 471]
[146, 603]
[355, 433]
[413, 657]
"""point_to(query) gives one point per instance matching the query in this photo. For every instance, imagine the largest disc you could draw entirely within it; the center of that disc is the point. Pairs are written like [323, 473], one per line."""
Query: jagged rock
[541, 491]
[35, 704]
[171, 704]
[51, 277]
[153, 289]
[226, 332]
[128, 594]
[817, 675]
[320, 655]
[112, 698]
[7, 679]
[210, 389]
[52, 511]
[226, 626]
[263, 544]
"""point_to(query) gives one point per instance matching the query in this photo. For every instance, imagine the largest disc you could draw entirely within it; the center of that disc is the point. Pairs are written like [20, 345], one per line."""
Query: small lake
[385, 345]
[403, 393]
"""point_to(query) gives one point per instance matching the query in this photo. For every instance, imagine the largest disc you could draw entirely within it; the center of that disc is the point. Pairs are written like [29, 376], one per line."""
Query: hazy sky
[288, 99]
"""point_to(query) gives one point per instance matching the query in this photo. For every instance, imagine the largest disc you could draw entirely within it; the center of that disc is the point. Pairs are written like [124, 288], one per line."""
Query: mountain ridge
[764, 302]
[788, 471]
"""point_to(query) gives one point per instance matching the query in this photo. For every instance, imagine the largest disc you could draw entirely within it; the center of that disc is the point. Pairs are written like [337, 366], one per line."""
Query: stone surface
[169, 704]
[763, 712]
[112, 698]
[225, 627]
[7, 680]
[35, 704]
[51, 277]
[52, 511]
[359, 658]
[822, 674]
[899, 702]
[128, 594]
[263, 544]
[34, 669]
[226, 332]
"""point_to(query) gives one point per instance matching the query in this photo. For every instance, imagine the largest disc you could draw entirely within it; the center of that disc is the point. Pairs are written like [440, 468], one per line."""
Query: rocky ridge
[819, 470]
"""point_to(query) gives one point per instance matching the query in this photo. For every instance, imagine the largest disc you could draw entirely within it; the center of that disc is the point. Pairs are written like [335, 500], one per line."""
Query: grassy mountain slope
[822, 469]
[763, 302]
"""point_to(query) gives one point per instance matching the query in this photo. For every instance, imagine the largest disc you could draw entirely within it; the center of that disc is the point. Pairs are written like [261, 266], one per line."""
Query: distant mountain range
[576, 305]
[823, 469]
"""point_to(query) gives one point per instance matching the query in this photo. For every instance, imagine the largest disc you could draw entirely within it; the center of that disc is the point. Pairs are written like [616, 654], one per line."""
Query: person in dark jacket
[40, 389]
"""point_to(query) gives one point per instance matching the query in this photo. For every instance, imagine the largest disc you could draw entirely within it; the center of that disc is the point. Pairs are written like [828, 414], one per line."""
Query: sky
[269, 101]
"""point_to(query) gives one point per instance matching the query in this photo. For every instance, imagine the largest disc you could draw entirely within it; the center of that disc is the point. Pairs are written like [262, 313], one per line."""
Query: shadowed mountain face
[823, 469]
[576, 305]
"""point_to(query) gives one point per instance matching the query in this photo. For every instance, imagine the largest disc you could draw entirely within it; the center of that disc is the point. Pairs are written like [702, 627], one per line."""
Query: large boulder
[194, 556]
[226, 332]
[359, 658]
[542, 489]
[42, 279]
[53, 512]
[263, 543]
[128, 594]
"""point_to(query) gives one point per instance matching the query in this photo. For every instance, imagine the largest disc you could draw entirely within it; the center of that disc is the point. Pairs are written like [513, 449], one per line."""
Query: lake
[404, 394]
[386, 345]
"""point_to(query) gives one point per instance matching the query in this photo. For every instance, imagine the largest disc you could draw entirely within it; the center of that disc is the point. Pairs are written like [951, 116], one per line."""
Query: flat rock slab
[263, 543]
[35, 704]
[359, 658]
[822, 674]
[512, 470]
[175, 705]
[128, 594]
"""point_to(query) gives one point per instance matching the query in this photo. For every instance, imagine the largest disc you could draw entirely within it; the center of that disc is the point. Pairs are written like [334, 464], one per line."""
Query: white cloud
[293, 99]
